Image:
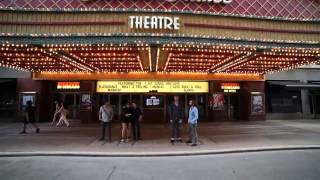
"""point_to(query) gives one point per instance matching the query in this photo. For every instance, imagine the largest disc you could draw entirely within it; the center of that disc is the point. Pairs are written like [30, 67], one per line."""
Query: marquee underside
[183, 57]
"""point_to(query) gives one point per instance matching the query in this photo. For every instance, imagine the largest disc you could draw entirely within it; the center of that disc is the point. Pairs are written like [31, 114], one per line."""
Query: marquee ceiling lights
[234, 59]
[184, 58]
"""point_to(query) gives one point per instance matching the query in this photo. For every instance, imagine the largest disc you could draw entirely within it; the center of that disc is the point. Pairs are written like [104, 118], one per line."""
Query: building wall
[108, 23]
[42, 97]
[302, 106]
[244, 95]
[300, 9]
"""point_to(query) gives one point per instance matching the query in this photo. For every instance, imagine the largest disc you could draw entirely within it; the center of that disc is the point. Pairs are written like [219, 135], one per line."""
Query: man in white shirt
[192, 124]
[106, 116]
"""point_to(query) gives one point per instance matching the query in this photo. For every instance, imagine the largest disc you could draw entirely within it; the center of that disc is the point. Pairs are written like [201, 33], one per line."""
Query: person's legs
[138, 130]
[55, 116]
[36, 127]
[103, 126]
[66, 121]
[128, 131]
[189, 133]
[24, 127]
[123, 132]
[194, 134]
[173, 131]
[178, 138]
[60, 121]
[109, 131]
[134, 130]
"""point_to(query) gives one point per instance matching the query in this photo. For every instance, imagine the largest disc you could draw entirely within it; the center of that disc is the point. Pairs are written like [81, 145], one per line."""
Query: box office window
[153, 101]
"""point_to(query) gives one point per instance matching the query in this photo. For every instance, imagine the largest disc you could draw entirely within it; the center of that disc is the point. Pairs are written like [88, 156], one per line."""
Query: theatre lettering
[154, 22]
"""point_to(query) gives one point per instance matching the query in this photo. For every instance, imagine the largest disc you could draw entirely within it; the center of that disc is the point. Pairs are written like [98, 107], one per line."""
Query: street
[291, 165]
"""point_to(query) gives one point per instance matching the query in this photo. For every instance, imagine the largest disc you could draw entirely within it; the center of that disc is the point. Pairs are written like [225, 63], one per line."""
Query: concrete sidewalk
[217, 137]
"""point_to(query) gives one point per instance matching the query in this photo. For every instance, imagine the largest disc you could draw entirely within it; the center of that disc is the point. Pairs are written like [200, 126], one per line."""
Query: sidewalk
[217, 137]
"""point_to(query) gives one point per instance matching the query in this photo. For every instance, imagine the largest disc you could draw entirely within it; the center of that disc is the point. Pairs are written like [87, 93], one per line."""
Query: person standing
[126, 122]
[29, 117]
[175, 113]
[192, 124]
[136, 119]
[63, 116]
[56, 114]
[106, 116]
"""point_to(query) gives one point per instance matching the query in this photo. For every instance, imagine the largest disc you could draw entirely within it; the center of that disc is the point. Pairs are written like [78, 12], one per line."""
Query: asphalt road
[279, 165]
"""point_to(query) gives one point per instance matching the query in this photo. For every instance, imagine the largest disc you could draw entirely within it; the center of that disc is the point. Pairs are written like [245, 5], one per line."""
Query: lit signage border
[152, 86]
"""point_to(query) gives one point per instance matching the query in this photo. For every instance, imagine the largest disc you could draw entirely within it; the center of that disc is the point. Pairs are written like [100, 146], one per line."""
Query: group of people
[131, 118]
[60, 115]
[176, 118]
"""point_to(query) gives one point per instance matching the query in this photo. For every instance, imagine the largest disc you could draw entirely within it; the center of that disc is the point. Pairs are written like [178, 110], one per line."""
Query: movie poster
[217, 102]
[85, 102]
[257, 103]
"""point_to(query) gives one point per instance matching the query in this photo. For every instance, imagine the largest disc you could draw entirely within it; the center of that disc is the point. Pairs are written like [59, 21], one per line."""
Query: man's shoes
[101, 139]
[179, 140]
[172, 140]
[193, 145]
[23, 132]
[122, 140]
[188, 142]
[37, 130]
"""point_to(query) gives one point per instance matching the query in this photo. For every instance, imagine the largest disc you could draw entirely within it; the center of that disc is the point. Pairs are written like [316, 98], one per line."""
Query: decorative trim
[248, 28]
[65, 23]
[147, 37]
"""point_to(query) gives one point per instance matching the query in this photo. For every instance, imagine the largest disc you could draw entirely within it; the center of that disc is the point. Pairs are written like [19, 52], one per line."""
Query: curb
[157, 154]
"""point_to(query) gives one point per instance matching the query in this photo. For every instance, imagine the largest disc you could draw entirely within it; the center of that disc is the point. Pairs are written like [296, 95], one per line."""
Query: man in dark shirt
[137, 116]
[175, 113]
[29, 117]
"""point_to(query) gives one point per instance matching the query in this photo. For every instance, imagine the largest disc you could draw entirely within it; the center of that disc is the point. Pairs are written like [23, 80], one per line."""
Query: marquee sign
[152, 86]
[154, 22]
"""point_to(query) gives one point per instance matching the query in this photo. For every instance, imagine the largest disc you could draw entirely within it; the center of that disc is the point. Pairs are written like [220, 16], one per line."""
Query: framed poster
[85, 103]
[217, 102]
[25, 97]
[257, 103]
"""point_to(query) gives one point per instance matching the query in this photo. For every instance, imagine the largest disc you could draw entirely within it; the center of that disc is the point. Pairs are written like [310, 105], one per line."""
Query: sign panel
[152, 86]
[68, 85]
[230, 87]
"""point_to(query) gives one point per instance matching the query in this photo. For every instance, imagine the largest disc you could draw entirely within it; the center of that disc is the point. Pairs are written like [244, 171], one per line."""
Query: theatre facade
[214, 52]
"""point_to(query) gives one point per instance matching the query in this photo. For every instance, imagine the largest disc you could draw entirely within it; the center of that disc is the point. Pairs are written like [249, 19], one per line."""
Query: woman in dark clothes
[29, 117]
[126, 122]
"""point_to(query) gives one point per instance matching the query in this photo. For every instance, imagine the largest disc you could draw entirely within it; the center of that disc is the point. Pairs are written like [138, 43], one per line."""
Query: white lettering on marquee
[154, 22]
